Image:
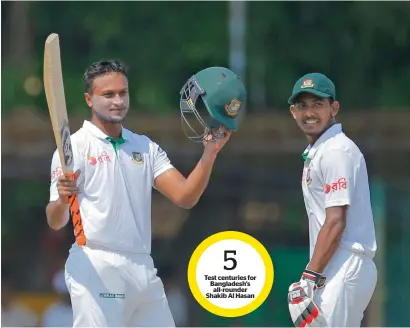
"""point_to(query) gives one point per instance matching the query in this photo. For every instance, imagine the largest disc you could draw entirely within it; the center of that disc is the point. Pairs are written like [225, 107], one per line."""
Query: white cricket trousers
[350, 282]
[113, 289]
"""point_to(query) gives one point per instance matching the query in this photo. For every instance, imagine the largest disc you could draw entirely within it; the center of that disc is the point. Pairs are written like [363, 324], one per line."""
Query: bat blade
[54, 89]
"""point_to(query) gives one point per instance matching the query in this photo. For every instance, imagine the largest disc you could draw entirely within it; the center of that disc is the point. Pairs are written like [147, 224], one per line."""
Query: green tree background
[362, 46]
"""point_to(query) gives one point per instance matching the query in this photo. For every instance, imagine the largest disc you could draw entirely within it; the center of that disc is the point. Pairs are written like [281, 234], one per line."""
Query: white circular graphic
[230, 274]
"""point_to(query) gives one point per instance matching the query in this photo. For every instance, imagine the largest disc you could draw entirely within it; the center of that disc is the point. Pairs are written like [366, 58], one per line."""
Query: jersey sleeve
[161, 161]
[56, 171]
[338, 172]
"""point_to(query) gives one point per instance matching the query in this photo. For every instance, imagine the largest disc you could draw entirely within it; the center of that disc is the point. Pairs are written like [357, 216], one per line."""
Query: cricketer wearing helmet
[340, 278]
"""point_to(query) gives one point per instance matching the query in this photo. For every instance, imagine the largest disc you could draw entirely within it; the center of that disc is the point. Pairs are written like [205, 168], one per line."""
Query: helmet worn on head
[223, 95]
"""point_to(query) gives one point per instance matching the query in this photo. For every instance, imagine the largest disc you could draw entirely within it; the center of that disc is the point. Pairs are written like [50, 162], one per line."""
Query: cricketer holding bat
[340, 278]
[109, 272]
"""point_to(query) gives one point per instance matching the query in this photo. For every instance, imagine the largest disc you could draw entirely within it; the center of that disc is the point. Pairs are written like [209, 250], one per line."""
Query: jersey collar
[310, 151]
[125, 134]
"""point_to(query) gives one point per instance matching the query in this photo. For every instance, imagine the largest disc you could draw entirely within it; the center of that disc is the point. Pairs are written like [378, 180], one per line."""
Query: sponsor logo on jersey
[102, 158]
[335, 186]
[112, 295]
[92, 160]
[56, 173]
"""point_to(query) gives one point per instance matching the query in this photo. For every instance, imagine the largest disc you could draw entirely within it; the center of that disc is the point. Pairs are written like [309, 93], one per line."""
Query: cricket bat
[54, 89]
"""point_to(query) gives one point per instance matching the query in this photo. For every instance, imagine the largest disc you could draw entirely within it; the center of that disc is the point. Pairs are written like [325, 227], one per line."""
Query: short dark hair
[100, 68]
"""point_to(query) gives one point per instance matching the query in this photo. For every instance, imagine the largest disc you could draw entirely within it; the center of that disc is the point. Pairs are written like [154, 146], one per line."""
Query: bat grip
[74, 209]
[70, 175]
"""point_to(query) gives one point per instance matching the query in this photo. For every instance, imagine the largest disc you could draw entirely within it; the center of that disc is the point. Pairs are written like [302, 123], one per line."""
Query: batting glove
[303, 310]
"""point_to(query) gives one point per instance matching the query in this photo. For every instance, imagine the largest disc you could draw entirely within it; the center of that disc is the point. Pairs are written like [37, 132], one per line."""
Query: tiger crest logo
[233, 107]
[137, 158]
[308, 83]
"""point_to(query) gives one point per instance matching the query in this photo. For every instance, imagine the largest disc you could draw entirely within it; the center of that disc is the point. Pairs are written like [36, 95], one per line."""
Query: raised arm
[186, 192]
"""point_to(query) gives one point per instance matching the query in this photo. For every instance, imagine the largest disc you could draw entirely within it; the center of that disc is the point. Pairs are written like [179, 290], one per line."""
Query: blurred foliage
[21, 209]
[363, 46]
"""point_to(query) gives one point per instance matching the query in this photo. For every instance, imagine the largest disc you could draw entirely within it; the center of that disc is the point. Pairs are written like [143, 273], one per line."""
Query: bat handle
[76, 215]
[70, 175]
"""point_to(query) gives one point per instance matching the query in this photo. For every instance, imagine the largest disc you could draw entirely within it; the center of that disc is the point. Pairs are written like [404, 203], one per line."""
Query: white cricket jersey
[335, 174]
[116, 183]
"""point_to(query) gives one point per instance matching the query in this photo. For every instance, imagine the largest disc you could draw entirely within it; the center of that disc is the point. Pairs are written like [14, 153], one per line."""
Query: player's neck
[112, 130]
[312, 139]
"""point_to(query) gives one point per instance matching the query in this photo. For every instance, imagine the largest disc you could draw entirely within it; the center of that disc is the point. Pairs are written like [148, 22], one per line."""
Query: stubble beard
[330, 123]
[107, 119]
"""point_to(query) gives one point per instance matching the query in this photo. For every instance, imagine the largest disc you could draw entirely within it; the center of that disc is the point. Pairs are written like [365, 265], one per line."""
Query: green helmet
[223, 94]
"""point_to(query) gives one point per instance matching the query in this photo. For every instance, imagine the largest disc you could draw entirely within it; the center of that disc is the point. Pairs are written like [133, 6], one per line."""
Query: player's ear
[334, 108]
[87, 97]
[292, 111]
